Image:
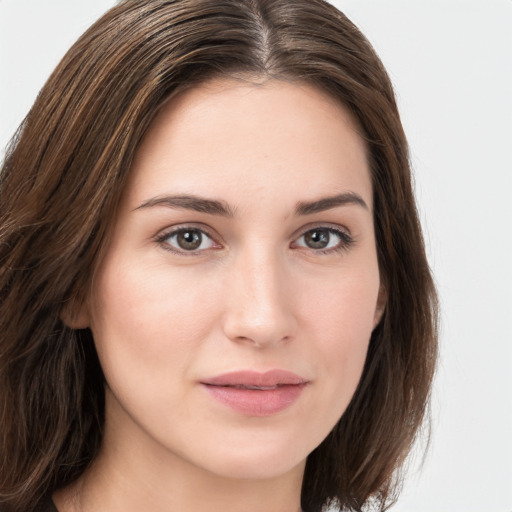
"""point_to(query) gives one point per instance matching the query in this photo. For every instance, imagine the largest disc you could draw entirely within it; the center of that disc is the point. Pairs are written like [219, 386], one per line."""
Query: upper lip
[256, 379]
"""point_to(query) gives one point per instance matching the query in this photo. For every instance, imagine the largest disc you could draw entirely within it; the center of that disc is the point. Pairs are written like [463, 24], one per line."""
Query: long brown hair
[60, 184]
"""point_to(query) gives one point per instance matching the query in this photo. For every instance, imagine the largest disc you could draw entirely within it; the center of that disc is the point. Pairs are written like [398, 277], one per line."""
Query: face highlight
[242, 270]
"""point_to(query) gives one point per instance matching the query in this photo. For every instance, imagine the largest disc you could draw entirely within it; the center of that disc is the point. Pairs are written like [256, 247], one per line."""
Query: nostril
[258, 311]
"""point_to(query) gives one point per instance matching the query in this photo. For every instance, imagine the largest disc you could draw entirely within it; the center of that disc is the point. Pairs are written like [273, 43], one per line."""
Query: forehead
[227, 137]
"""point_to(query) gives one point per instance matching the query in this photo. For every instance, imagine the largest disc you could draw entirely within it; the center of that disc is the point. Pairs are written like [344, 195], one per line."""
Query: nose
[260, 309]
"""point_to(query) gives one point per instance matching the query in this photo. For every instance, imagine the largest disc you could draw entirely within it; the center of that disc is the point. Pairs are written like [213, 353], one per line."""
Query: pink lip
[256, 394]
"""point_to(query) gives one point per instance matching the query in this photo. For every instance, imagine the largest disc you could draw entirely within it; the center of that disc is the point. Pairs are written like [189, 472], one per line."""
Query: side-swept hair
[61, 182]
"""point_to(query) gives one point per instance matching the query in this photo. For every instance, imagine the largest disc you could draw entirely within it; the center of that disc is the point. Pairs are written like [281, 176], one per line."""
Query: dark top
[46, 505]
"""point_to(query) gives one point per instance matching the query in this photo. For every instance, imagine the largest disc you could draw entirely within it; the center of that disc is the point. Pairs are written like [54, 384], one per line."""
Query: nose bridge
[259, 308]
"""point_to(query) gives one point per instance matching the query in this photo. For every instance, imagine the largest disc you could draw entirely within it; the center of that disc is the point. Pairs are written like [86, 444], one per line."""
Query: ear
[380, 307]
[75, 315]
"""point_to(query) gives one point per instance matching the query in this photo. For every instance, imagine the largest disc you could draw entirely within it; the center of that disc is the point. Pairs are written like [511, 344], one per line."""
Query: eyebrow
[190, 202]
[215, 207]
[327, 203]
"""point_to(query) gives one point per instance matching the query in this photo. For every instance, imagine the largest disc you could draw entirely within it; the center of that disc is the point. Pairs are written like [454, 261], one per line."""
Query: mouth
[256, 394]
[256, 380]
[259, 388]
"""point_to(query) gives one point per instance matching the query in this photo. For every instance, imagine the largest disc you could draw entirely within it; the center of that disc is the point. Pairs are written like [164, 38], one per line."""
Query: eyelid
[347, 240]
[321, 225]
[162, 236]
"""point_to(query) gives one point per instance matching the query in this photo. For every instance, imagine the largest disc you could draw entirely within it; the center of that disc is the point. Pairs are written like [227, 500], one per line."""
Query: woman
[213, 283]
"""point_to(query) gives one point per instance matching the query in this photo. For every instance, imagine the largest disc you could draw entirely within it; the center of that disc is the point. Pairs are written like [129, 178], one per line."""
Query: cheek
[146, 319]
[344, 307]
[341, 318]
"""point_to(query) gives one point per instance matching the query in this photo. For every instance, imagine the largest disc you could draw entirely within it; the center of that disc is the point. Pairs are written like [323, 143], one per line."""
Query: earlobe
[380, 307]
[75, 316]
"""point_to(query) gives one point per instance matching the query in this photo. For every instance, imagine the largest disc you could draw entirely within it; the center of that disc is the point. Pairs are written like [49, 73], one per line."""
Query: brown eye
[317, 238]
[187, 240]
[324, 239]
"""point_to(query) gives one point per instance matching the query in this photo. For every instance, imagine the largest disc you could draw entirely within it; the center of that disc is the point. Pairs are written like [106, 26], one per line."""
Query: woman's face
[233, 309]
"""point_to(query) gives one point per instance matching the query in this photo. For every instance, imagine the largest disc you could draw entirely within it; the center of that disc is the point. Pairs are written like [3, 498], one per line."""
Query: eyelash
[163, 240]
[345, 240]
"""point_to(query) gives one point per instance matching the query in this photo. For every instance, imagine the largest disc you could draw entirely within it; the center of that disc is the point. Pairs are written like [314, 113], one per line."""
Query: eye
[190, 240]
[324, 239]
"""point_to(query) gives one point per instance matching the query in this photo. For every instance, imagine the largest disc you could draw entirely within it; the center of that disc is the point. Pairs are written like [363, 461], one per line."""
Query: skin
[254, 295]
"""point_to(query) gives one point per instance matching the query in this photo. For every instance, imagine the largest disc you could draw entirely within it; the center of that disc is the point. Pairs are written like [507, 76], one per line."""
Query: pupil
[189, 240]
[317, 239]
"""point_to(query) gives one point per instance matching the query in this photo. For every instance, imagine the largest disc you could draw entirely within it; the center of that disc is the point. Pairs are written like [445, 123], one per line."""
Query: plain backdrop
[451, 63]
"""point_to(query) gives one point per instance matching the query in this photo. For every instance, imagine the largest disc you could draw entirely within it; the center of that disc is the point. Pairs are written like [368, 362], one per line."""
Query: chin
[258, 468]
[257, 457]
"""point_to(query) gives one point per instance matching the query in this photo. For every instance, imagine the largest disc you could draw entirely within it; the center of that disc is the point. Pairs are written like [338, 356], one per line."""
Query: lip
[256, 394]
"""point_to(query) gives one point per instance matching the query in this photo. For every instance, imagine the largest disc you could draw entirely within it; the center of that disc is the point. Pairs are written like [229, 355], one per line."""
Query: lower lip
[256, 402]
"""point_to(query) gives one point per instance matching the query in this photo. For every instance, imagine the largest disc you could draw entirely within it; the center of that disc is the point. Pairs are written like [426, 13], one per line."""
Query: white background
[451, 63]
